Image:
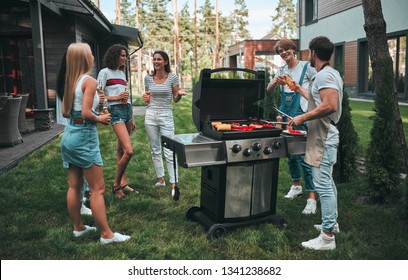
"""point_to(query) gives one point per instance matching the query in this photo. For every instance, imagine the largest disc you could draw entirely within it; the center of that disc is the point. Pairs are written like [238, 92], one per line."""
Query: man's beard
[312, 62]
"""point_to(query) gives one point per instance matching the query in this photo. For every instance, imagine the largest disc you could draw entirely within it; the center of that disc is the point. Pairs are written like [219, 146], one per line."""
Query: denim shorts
[121, 113]
[80, 146]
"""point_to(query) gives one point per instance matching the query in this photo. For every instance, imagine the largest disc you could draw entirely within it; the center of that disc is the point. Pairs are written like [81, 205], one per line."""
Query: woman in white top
[112, 81]
[163, 87]
[80, 143]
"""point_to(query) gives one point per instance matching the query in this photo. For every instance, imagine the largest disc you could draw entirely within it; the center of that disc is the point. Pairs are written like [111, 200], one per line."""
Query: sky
[260, 12]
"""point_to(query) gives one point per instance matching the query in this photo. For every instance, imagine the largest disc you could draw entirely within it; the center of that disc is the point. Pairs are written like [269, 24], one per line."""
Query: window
[339, 58]
[10, 74]
[397, 49]
[397, 46]
[310, 11]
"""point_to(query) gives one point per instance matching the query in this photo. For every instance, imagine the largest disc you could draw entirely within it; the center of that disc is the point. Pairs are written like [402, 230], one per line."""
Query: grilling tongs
[282, 113]
[271, 122]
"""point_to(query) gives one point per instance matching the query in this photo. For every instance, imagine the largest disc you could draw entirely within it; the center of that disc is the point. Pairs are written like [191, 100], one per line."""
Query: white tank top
[79, 95]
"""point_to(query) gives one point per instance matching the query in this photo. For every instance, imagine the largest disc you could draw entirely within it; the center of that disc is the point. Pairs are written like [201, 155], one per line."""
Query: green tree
[186, 28]
[284, 21]
[384, 153]
[158, 26]
[206, 31]
[347, 151]
[225, 30]
[127, 13]
[383, 157]
[404, 204]
[239, 20]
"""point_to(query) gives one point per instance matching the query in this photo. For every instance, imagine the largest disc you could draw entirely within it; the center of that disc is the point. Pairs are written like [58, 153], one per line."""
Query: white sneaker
[83, 232]
[336, 228]
[117, 237]
[85, 210]
[310, 207]
[158, 184]
[322, 242]
[294, 192]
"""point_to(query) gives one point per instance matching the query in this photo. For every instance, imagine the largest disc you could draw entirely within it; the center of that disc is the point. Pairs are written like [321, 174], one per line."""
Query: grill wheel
[216, 231]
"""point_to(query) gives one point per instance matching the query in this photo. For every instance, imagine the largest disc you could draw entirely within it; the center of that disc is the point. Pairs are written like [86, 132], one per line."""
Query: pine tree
[383, 158]
[384, 162]
[239, 20]
[158, 26]
[347, 151]
[284, 22]
[405, 201]
[127, 13]
[186, 28]
[206, 31]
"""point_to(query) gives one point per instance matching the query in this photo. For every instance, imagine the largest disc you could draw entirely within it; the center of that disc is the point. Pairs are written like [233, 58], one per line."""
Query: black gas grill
[239, 169]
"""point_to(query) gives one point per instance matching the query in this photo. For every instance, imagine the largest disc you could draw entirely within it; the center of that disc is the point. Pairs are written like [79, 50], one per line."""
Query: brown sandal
[128, 188]
[118, 195]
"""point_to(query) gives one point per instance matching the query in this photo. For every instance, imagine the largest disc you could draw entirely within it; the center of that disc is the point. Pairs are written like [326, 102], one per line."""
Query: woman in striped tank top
[163, 87]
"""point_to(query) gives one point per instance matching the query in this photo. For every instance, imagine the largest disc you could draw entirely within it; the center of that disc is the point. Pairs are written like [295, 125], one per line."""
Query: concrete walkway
[11, 156]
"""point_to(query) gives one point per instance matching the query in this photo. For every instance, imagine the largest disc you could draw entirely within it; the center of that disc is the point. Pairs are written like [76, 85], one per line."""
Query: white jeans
[160, 122]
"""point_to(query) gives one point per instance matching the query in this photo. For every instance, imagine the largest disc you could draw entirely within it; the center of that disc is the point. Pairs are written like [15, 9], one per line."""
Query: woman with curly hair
[112, 81]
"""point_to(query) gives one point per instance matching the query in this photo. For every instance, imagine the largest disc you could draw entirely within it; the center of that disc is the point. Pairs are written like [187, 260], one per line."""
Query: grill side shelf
[295, 145]
[194, 150]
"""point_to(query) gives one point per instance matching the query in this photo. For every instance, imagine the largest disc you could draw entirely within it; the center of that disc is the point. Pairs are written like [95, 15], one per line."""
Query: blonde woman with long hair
[80, 143]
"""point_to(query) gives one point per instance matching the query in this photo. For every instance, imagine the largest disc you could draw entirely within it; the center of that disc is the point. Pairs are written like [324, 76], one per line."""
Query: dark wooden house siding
[350, 63]
[58, 34]
[327, 8]
[330, 7]
[84, 34]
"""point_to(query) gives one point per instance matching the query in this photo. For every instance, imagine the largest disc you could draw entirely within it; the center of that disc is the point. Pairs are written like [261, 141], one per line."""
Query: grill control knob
[267, 150]
[236, 148]
[276, 145]
[257, 147]
[248, 152]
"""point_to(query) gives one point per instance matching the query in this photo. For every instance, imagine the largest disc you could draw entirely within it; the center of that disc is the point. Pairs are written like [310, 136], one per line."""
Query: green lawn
[35, 225]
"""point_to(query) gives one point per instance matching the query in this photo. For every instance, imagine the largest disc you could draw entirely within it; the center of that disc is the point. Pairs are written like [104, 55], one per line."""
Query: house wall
[348, 25]
[84, 34]
[350, 63]
[343, 23]
[330, 7]
[58, 34]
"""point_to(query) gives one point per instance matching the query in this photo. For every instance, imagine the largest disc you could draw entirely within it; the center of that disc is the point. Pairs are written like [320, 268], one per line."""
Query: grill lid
[227, 94]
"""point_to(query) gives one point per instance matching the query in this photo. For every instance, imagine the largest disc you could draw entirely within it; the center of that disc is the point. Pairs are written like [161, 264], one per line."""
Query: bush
[405, 201]
[272, 98]
[383, 155]
[347, 151]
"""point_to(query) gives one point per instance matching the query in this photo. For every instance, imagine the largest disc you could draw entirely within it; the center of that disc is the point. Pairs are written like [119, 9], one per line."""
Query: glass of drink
[147, 92]
[125, 99]
[100, 91]
[100, 94]
[104, 108]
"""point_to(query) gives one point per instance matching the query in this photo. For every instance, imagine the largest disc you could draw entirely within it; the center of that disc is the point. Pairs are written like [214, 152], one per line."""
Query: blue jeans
[160, 122]
[296, 164]
[326, 188]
